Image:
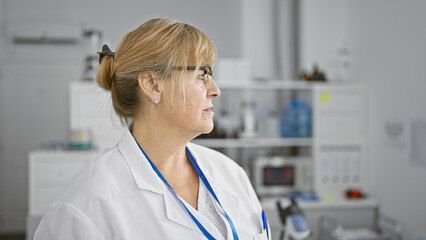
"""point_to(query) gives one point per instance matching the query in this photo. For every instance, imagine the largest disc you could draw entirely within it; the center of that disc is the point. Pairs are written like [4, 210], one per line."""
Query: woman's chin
[207, 130]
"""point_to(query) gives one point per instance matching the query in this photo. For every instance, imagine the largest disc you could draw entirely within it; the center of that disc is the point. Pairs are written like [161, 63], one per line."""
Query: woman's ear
[150, 86]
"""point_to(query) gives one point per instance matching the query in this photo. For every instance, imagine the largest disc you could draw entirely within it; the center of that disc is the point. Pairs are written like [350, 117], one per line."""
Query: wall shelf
[254, 142]
[268, 85]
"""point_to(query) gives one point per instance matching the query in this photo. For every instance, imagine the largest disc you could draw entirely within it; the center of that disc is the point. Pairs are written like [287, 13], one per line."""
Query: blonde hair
[156, 46]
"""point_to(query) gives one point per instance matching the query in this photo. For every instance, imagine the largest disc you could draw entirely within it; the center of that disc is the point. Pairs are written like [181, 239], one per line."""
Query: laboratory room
[189, 119]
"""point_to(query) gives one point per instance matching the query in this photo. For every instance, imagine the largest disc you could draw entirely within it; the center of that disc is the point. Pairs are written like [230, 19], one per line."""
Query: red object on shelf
[354, 194]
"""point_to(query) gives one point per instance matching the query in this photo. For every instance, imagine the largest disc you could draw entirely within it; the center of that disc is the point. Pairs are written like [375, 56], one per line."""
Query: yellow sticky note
[329, 198]
[325, 97]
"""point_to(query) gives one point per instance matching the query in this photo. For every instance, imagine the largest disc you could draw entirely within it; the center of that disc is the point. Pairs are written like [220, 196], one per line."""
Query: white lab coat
[119, 196]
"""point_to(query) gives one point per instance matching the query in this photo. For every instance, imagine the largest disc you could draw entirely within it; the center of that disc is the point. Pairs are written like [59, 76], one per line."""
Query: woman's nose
[213, 90]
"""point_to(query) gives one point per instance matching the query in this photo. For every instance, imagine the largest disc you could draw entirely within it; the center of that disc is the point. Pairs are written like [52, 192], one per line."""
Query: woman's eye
[200, 75]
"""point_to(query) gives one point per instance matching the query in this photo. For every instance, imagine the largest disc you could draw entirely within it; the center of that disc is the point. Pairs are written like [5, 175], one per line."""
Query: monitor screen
[278, 176]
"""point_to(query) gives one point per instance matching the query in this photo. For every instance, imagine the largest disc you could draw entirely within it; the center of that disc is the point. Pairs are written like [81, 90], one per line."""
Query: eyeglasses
[207, 71]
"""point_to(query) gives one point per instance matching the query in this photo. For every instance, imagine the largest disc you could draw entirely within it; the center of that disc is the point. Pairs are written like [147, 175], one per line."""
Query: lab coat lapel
[142, 172]
[176, 212]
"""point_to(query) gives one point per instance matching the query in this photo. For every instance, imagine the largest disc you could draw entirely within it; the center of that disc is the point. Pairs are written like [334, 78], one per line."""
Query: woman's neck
[164, 146]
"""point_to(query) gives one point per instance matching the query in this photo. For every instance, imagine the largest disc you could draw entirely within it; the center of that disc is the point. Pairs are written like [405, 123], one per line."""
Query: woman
[155, 184]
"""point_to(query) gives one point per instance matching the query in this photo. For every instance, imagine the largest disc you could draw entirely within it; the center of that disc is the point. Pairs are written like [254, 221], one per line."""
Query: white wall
[286, 47]
[321, 32]
[115, 19]
[2, 34]
[257, 39]
[387, 39]
[34, 89]
[268, 38]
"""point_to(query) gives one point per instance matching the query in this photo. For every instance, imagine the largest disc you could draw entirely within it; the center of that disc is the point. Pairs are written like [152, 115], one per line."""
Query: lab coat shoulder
[62, 221]
[217, 165]
[83, 208]
[104, 177]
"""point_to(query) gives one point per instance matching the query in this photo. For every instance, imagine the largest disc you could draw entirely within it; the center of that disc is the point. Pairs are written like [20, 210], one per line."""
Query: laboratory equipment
[295, 224]
[279, 175]
[248, 120]
[350, 214]
[386, 229]
[92, 59]
[273, 129]
[345, 61]
[80, 139]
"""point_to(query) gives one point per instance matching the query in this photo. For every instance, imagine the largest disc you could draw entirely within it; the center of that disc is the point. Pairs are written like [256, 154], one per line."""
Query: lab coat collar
[140, 168]
[176, 212]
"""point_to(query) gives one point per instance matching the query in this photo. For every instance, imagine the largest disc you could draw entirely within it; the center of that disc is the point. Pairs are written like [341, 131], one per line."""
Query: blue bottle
[289, 121]
[297, 120]
[304, 119]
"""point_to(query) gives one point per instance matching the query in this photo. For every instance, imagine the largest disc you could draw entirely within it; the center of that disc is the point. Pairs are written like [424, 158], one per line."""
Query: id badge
[262, 236]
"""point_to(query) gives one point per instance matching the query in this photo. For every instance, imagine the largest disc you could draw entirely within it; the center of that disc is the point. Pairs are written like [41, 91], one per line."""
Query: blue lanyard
[206, 182]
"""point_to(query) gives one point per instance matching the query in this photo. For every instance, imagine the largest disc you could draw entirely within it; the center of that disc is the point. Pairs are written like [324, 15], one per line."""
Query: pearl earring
[156, 101]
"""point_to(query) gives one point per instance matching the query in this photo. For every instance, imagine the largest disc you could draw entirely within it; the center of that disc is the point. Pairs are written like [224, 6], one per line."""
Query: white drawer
[57, 172]
[43, 197]
[50, 172]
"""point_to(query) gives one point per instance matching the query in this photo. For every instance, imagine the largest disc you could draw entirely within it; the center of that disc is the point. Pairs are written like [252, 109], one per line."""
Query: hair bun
[105, 75]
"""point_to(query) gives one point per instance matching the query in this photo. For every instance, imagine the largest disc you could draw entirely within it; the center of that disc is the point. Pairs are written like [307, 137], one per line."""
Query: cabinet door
[50, 173]
[339, 145]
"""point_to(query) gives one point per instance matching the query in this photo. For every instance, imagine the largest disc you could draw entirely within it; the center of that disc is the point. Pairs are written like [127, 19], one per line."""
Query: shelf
[267, 85]
[45, 40]
[254, 142]
[271, 202]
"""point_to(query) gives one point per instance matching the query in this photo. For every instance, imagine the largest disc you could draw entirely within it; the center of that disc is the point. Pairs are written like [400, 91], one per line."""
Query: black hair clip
[105, 51]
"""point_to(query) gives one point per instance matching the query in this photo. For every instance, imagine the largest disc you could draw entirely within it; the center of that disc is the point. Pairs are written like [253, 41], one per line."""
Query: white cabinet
[339, 150]
[49, 174]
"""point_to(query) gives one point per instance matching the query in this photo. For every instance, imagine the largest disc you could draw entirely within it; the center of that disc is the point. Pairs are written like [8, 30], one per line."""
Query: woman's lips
[210, 109]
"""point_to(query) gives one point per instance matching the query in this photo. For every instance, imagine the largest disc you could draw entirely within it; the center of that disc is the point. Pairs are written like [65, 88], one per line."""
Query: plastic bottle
[273, 127]
[297, 120]
[289, 122]
[345, 61]
[304, 121]
[248, 120]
